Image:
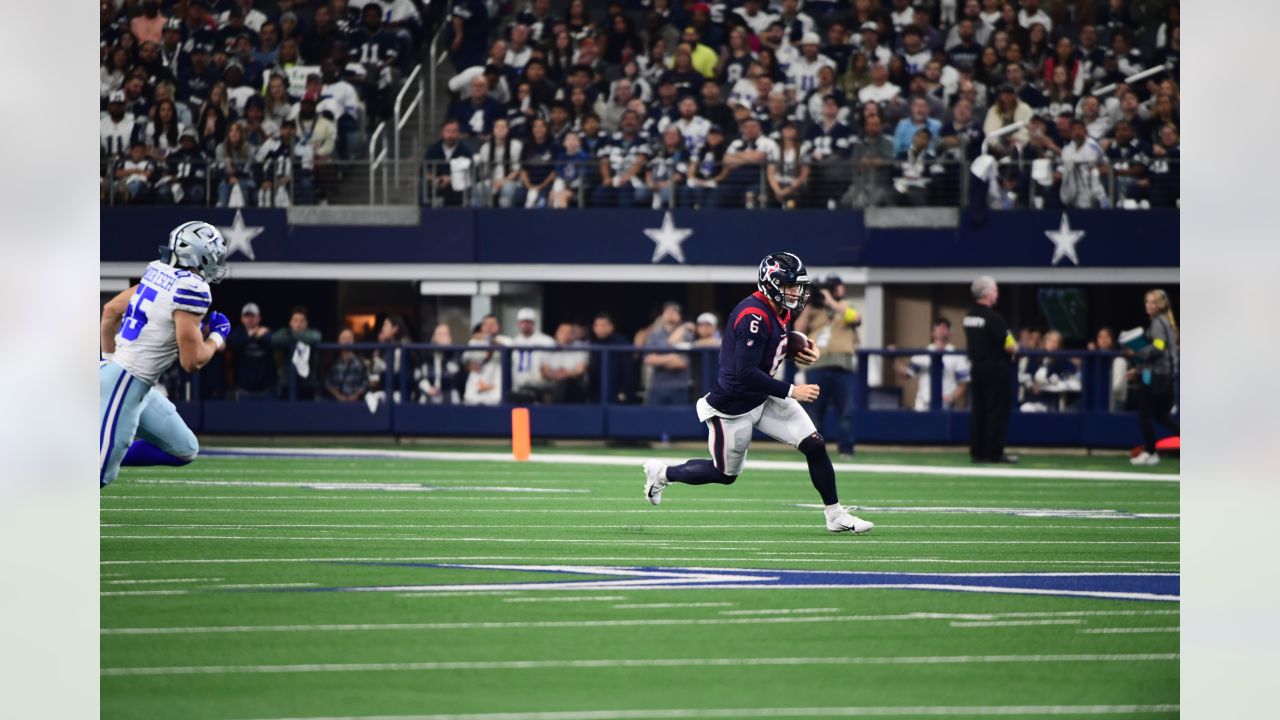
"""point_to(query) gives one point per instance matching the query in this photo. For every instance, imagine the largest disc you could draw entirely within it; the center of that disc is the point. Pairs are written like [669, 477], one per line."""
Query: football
[796, 341]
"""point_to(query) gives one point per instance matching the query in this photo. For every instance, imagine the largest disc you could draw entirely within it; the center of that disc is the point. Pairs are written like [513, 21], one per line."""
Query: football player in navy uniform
[747, 396]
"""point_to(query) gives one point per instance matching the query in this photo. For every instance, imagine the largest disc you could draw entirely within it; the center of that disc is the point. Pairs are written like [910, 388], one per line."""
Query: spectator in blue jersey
[667, 168]
[1128, 157]
[134, 174]
[622, 164]
[706, 171]
[573, 169]
[965, 52]
[1165, 169]
[476, 114]
[437, 166]
[907, 127]
[916, 170]
[668, 372]
[268, 48]
[287, 169]
[182, 180]
[468, 33]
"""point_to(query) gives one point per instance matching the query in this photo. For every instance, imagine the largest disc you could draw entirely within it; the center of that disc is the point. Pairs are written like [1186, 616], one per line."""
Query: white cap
[707, 317]
[526, 313]
[811, 38]
[250, 308]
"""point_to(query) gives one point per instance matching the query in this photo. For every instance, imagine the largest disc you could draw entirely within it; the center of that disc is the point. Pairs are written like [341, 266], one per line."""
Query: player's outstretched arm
[112, 313]
[194, 350]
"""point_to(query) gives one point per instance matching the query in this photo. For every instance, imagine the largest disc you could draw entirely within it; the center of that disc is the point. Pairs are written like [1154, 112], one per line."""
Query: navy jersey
[754, 346]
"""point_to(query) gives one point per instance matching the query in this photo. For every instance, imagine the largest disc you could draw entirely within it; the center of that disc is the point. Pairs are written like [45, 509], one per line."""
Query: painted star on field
[668, 239]
[1064, 241]
[240, 237]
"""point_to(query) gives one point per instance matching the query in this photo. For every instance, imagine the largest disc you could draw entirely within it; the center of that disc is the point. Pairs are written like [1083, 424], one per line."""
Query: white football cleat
[655, 480]
[842, 521]
[1145, 458]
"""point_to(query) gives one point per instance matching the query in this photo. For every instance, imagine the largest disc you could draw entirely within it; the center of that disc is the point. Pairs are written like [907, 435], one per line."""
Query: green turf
[165, 547]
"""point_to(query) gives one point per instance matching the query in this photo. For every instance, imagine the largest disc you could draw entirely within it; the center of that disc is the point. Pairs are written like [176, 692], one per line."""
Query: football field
[461, 585]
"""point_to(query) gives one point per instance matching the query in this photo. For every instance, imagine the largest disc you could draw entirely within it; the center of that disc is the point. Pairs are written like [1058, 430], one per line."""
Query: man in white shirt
[802, 73]
[880, 91]
[564, 372]
[876, 53]
[955, 370]
[527, 383]
[746, 157]
[1083, 164]
[116, 128]
[693, 127]
[902, 14]
[518, 51]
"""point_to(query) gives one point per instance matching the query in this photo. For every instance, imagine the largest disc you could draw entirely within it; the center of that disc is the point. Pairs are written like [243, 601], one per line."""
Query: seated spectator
[1129, 158]
[668, 168]
[135, 174]
[611, 109]
[296, 356]
[1054, 381]
[256, 127]
[182, 179]
[668, 373]
[565, 371]
[388, 364]
[498, 169]
[955, 370]
[437, 166]
[252, 365]
[163, 130]
[117, 129]
[1006, 110]
[519, 51]
[788, 177]
[622, 164]
[573, 169]
[235, 159]
[277, 105]
[484, 381]
[618, 367]
[439, 373]
[527, 381]
[348, 376]
[537, 165]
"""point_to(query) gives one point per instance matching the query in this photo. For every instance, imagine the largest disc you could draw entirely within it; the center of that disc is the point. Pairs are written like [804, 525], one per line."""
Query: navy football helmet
[780, 270]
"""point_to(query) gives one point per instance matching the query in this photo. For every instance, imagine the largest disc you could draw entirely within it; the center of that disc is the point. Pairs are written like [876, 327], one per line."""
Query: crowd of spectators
[244, 102]
[797, 103]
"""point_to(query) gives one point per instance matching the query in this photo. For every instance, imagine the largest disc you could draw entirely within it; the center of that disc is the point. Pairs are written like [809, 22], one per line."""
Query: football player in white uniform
[146, 328]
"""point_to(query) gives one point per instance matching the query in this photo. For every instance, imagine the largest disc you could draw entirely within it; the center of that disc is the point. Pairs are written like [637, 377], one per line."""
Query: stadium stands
[670, 103]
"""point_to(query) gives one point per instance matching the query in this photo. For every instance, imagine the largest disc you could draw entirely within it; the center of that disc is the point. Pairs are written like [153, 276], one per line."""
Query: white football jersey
[147, 343]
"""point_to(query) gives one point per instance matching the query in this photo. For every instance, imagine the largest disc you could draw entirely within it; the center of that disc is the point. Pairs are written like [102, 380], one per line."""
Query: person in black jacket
[620, 367]
[991, 351]
[1156, 372]
[251, 358]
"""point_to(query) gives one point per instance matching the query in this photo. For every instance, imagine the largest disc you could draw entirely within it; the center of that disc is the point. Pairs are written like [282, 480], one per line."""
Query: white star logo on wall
[668, 239]
[1064, 242]
[240, 237]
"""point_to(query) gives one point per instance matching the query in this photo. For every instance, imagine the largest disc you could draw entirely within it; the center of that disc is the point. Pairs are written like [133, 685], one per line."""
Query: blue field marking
[1113, 586]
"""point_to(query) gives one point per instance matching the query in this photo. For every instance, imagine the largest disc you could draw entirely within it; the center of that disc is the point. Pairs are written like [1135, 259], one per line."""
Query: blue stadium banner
[1048, 238]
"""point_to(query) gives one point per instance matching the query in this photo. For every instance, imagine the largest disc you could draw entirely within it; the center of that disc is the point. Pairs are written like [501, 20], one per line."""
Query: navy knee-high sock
[698, 472]
[821, 472]
[142, 453]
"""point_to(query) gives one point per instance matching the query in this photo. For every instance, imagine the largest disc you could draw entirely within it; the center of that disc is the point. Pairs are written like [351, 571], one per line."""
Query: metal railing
[400, 115]
[376, 159]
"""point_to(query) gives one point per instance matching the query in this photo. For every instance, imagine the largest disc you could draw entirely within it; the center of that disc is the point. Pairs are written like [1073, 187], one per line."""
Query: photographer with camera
[831, 323]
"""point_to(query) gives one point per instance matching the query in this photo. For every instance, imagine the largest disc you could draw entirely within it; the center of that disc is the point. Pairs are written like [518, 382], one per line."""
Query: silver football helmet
[198, 246]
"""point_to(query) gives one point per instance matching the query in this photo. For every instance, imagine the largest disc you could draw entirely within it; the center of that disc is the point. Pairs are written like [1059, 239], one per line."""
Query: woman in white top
[498, 168]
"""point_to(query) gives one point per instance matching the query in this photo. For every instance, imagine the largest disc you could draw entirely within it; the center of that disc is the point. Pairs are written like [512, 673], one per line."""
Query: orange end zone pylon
[520, 443]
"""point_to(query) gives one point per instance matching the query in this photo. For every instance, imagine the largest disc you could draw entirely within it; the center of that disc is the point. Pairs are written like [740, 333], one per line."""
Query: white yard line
[794, 510]
[629, 541]
[1131, 630]
[575, 598]
[1014, 623]
[167, 581]
[629, 622]
[780, 611]
[481, 665]
[381, 486]
[897, 527]
[651, 606]
[787, 465]
[981, 711]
